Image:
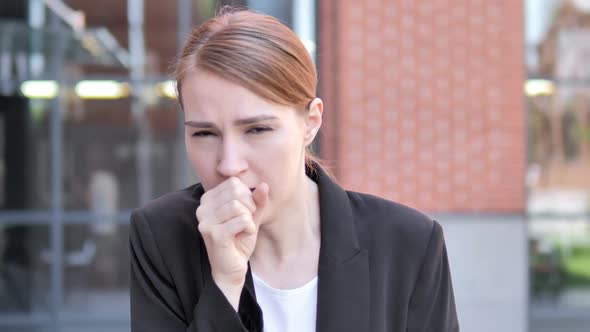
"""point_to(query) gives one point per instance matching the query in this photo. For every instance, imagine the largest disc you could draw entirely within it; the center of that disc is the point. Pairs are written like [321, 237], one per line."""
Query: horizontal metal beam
[43, 217]
[38, 319]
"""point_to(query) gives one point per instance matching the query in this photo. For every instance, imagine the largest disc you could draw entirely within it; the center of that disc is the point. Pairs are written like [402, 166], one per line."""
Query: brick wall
[424, 101]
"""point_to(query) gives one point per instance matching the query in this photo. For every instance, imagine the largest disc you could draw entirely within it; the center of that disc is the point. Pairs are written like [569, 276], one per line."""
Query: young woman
[268, 240]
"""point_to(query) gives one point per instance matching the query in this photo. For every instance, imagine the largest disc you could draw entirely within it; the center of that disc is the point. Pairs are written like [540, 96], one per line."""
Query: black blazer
[382, 267]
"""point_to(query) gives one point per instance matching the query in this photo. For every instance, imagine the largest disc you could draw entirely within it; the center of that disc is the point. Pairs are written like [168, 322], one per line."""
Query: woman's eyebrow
[198, 124]
[238, 122]
[254, 119]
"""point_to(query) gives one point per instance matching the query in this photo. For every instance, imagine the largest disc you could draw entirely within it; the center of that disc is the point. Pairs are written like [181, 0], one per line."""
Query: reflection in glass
[24, 162]
[558, 177]
[102, 175]
[101, 146]
[560, 262]
[24, 269]
[96, 270]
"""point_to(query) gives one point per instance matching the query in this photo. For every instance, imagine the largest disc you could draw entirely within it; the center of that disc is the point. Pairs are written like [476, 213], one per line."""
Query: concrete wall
[489, 266]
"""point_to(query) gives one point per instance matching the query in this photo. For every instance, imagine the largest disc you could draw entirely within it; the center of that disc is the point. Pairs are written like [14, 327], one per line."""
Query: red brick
[433, 95]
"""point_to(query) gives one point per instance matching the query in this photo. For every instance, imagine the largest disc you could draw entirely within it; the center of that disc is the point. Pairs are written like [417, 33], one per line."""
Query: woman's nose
[231, 161]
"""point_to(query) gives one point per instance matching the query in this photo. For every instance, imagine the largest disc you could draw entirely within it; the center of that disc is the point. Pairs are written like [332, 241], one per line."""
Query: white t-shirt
[287, 310]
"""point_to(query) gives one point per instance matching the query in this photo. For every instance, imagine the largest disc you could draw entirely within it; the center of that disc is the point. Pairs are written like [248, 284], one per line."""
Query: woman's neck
[292, 238]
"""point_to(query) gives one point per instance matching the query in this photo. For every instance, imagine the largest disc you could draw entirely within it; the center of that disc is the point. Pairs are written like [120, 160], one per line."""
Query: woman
[268, 238]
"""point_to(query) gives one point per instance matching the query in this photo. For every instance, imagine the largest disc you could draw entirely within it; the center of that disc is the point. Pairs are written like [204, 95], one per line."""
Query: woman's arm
[432, 305]
[155, 305]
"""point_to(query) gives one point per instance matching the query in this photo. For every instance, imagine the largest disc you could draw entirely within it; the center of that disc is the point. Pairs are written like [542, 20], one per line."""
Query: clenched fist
[227, 221]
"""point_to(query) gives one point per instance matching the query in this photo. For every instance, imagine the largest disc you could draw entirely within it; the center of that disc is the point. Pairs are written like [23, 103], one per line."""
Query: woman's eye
[202, 134]
[258, 130]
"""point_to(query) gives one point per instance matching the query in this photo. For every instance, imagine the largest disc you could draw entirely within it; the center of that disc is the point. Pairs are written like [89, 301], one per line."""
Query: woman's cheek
[203, 163]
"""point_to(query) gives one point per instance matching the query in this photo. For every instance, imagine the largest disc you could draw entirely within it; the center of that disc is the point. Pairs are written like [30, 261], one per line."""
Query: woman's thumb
[260, 195]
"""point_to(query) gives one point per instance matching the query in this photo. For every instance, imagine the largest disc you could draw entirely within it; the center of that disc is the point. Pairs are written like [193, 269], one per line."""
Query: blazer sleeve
[155, 304]
[432, 304]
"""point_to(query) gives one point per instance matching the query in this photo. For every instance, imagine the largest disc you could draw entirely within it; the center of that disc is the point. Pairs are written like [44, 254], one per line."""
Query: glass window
[110, 155]
[25, 258]
[95, 283]
[558, 176]
[99, 112]
[25, 158]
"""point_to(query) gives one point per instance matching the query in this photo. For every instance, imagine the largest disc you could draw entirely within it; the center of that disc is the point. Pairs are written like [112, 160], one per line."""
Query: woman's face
[232, 132]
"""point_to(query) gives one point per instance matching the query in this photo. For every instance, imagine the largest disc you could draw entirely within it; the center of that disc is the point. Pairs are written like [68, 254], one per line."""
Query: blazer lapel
[343, 272]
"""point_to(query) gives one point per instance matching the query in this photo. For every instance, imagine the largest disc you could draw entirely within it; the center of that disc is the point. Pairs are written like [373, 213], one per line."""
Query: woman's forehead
[212, 108]
[204, 88]
[208, 97]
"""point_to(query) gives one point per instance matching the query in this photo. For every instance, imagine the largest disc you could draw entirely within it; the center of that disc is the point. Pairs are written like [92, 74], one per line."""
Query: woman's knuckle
[234, 182]
[234, 205]
[202, 215]
[203, 228]
[217, 235]
[235, 191]
[244, 217]
[204, 198]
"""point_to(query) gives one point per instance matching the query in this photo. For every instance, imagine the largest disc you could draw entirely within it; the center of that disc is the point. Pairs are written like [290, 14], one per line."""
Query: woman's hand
[226, 217]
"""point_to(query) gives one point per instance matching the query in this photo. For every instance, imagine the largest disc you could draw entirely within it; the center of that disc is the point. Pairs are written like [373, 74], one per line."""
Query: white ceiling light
[39, 89]
[539, 87]
[168, 89]
[102, 90]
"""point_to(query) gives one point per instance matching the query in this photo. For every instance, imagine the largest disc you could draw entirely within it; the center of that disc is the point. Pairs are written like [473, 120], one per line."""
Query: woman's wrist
[232, 289]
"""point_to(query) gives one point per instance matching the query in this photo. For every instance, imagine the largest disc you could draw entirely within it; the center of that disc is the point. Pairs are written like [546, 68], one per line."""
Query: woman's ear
[313, 120]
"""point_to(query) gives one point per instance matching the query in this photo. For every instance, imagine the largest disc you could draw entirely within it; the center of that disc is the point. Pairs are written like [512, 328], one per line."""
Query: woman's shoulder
[179, 200]
[383, 217]
[171, 211]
